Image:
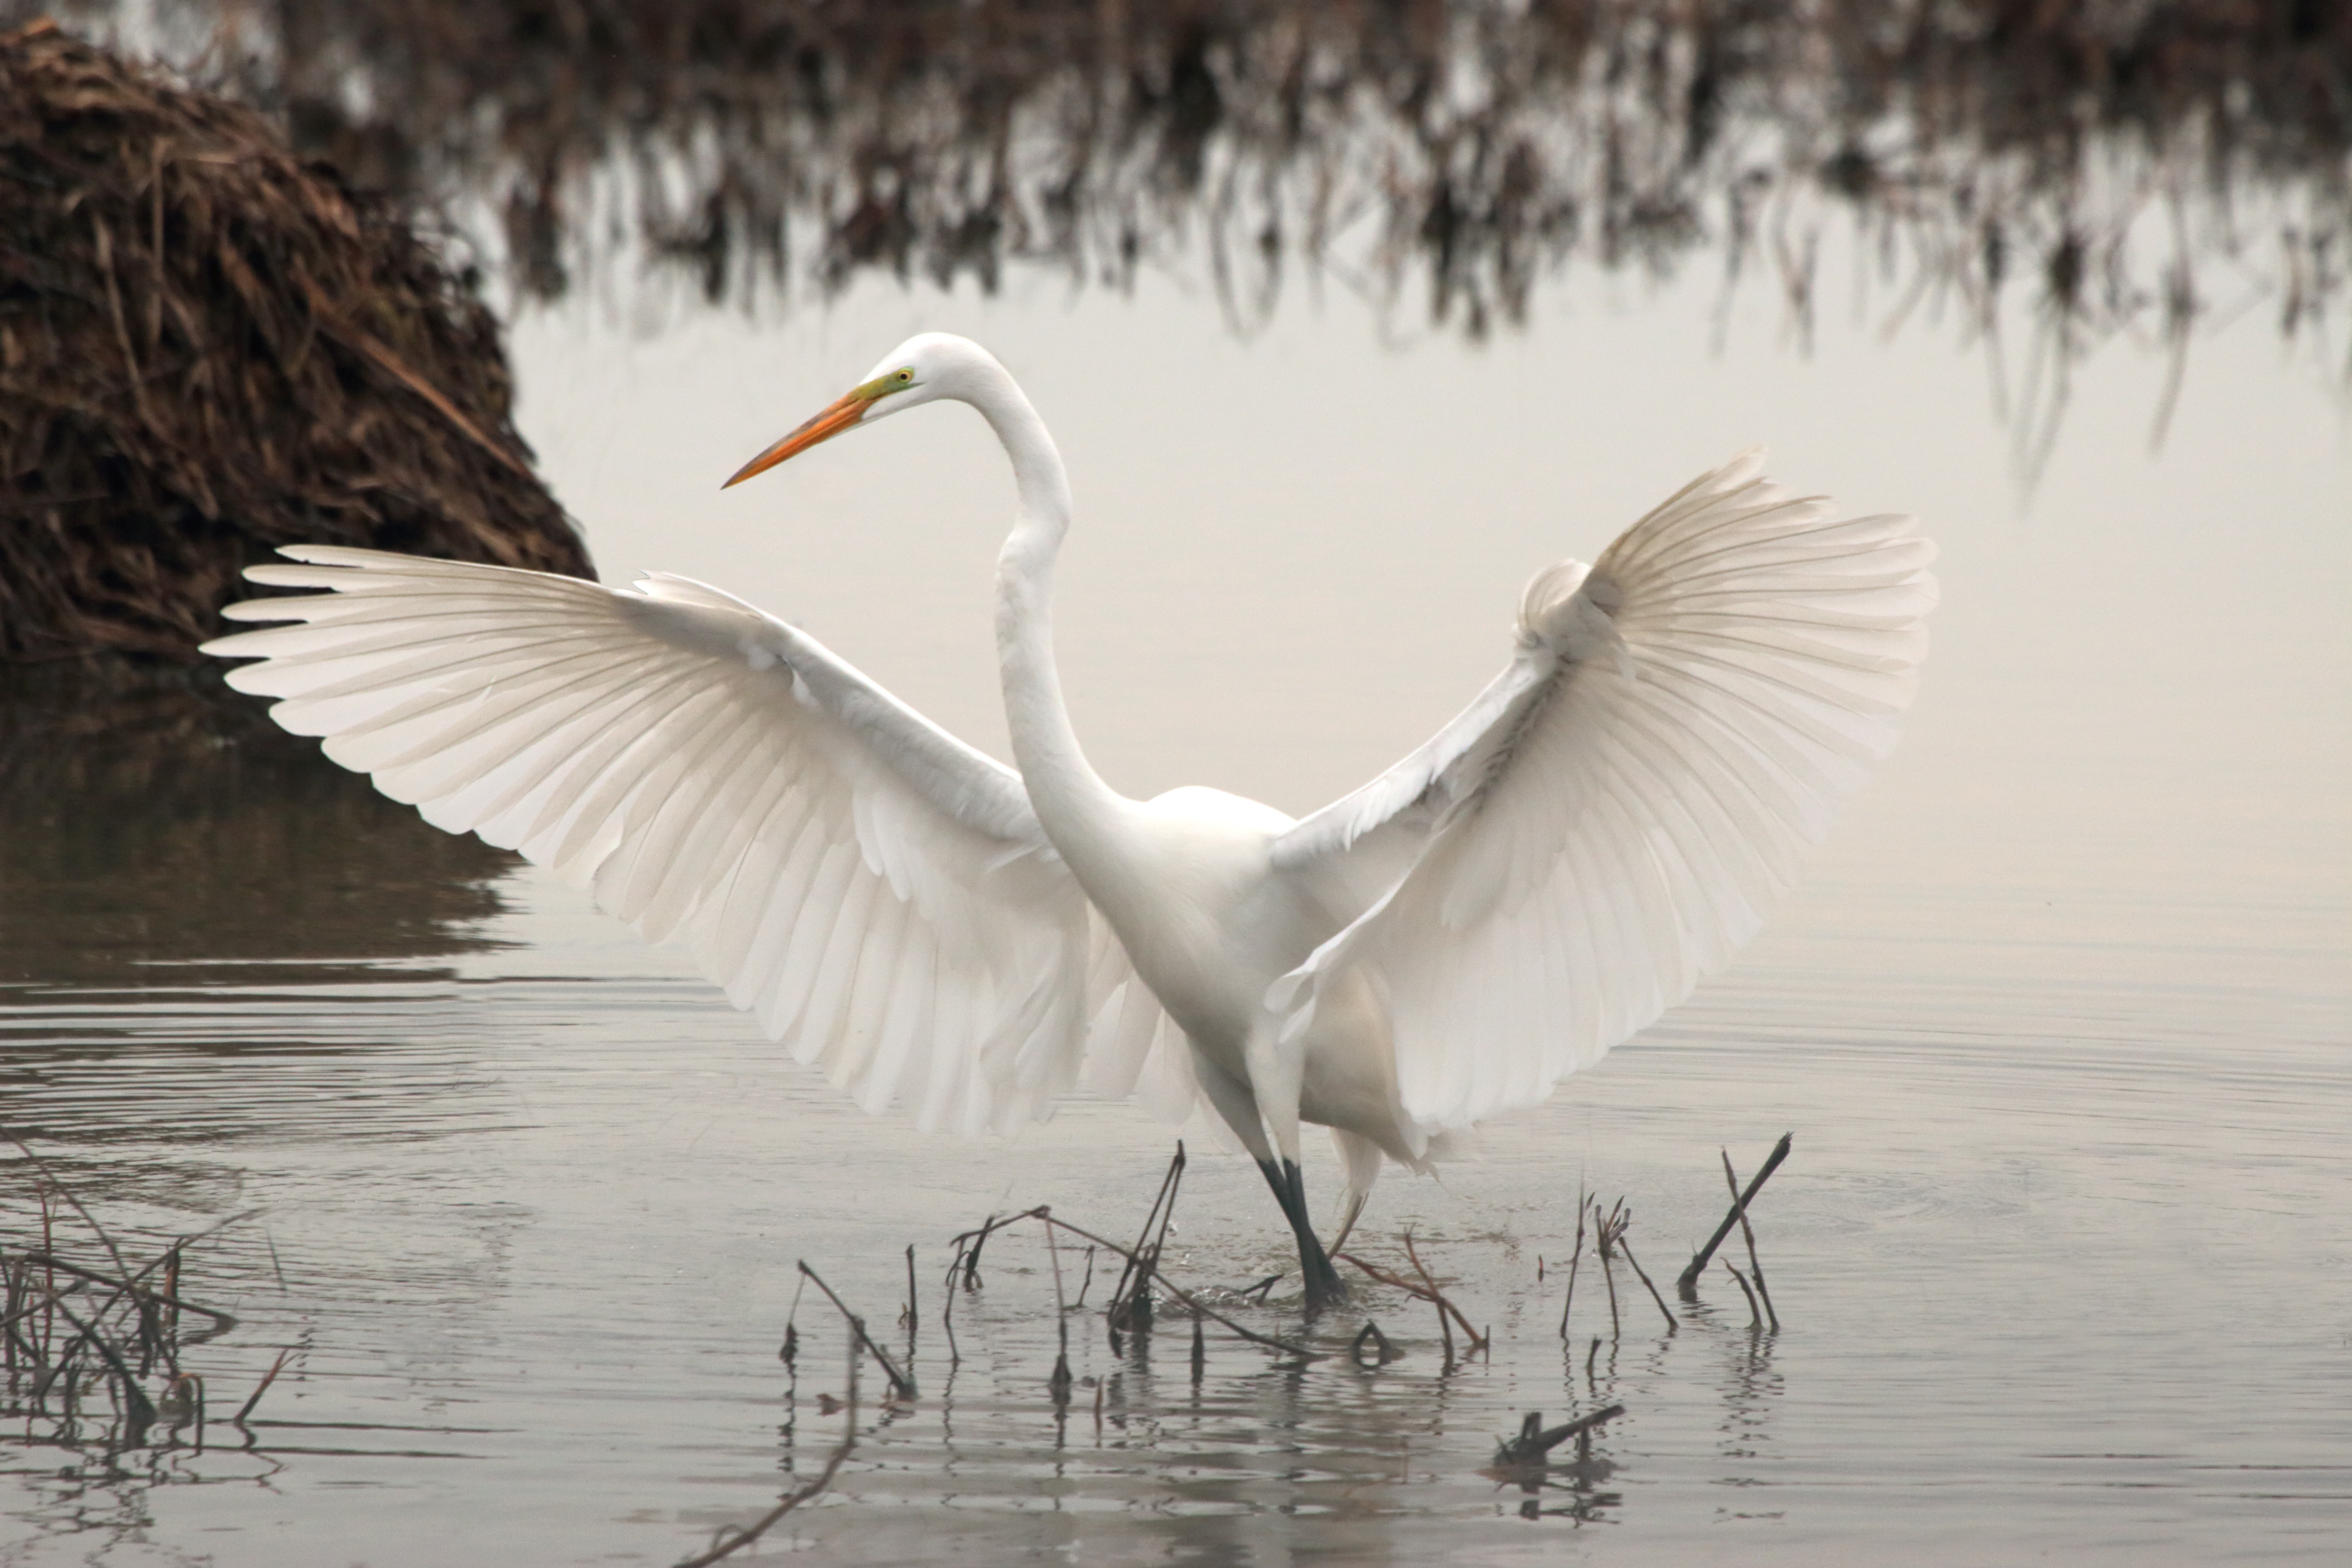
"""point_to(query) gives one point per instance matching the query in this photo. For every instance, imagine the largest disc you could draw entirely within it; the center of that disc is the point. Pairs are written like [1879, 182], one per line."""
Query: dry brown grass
[210, 347]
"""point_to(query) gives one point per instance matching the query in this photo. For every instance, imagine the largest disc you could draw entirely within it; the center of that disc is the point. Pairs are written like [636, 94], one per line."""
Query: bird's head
[926, 366]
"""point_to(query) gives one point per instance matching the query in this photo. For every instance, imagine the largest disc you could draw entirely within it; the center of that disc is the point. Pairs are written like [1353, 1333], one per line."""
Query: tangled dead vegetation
[208, 348]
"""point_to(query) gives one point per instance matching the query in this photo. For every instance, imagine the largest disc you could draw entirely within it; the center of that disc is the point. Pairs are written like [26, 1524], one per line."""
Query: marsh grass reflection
[152, 818]
[2124, 171]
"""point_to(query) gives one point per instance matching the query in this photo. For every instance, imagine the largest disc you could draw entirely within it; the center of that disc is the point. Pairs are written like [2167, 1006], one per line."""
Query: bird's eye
[904, 376]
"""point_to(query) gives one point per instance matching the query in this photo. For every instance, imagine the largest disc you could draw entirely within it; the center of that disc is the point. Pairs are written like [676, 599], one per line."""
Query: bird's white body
[1188, 882]
[1602, 824]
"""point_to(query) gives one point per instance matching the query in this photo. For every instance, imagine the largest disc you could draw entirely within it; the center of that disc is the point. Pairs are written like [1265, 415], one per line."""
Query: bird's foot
[1325, 1289]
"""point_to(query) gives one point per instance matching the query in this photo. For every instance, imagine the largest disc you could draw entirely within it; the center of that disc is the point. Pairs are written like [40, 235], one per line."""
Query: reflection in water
[2125, 167]
[157, 819]
[1257, 1456]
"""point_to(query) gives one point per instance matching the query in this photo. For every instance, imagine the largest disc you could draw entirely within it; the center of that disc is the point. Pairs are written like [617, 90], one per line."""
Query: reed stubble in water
[71, 1321]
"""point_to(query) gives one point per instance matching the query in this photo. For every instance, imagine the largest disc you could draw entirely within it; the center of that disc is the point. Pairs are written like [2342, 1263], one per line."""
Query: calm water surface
[2059, 1022]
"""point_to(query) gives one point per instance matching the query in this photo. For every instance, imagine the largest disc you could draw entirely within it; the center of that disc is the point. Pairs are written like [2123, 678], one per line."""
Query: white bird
[1601, 825]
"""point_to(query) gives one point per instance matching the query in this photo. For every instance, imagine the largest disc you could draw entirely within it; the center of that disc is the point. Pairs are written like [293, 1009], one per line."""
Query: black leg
[1324, 1285]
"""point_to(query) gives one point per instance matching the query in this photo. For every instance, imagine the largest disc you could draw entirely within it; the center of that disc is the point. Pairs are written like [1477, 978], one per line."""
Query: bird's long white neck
[1080, 812]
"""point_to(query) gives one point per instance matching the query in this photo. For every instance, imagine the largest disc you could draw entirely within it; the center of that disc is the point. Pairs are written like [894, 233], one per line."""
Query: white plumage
[1605, 824]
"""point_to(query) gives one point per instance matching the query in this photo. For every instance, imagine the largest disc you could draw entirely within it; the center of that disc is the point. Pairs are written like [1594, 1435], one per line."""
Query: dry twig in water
[261, 1388]
[1575, 1260]
[1755, 1264]
[1755, 1319]
[1044, 1212]
[1426, 1291]
[1383, 1352]
[1531, 1449]
[1604, 1244]
[727, 1543]
[901, 1384]
[1687, 1284]
[1130, 1302]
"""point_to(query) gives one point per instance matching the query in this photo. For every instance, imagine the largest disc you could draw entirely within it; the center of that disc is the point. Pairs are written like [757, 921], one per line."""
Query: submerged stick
[1643, 1275]
[901, 1382]
[129, 1285]
[1575, 1261]
[724, 1545]
[255, 1399]
[1755, 1265]
[1426, 1293]
[1383, 1352]
[138, 1410]
[1151, 1266]
[1533, 1446]
[1754, 1320]
[1686, 1285]
[1059, 1383]
[1604, 1243]
[1443, 1327]
[1131, 1301]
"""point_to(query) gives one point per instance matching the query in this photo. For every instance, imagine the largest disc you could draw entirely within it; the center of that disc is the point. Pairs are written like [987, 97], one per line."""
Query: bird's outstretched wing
[878, 892]
[1613, 815]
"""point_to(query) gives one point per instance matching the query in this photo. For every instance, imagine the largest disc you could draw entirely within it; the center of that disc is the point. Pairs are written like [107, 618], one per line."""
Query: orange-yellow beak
[838, 416]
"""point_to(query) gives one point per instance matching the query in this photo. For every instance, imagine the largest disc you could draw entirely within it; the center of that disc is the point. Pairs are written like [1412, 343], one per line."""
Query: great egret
[1601, 825]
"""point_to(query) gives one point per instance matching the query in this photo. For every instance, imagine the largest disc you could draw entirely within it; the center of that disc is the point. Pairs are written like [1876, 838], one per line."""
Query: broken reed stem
[1575, 1260]
[1532, 1447]
[968, 1248]
[789, 1351]
[1643, 1276]
[1443, 1327]
[724, 1545]
[1755, 1321]
[1059, 1383]
[1383, 1352]
[66, 1192]
[137, 1409]
[914, 1315]
[1686, 1283]
[1130, 1302]
[901, 1382]
[267, 1379]
[1755, 1266]
[1604, 1244]
[1426, 1292]
[1152, 1268]
[1477, 1340]
[129, 1285]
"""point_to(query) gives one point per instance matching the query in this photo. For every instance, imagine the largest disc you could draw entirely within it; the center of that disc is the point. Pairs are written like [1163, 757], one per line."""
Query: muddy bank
[210, 347]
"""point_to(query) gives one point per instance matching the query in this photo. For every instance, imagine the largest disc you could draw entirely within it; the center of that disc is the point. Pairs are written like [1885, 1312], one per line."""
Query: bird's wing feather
[878, 892]
[1612, 816]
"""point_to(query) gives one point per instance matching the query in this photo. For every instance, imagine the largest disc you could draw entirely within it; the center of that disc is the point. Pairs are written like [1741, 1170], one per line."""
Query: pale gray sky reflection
[1295, 555]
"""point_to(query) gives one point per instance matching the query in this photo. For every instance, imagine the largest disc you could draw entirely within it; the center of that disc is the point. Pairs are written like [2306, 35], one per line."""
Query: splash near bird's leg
[1324, 1285]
